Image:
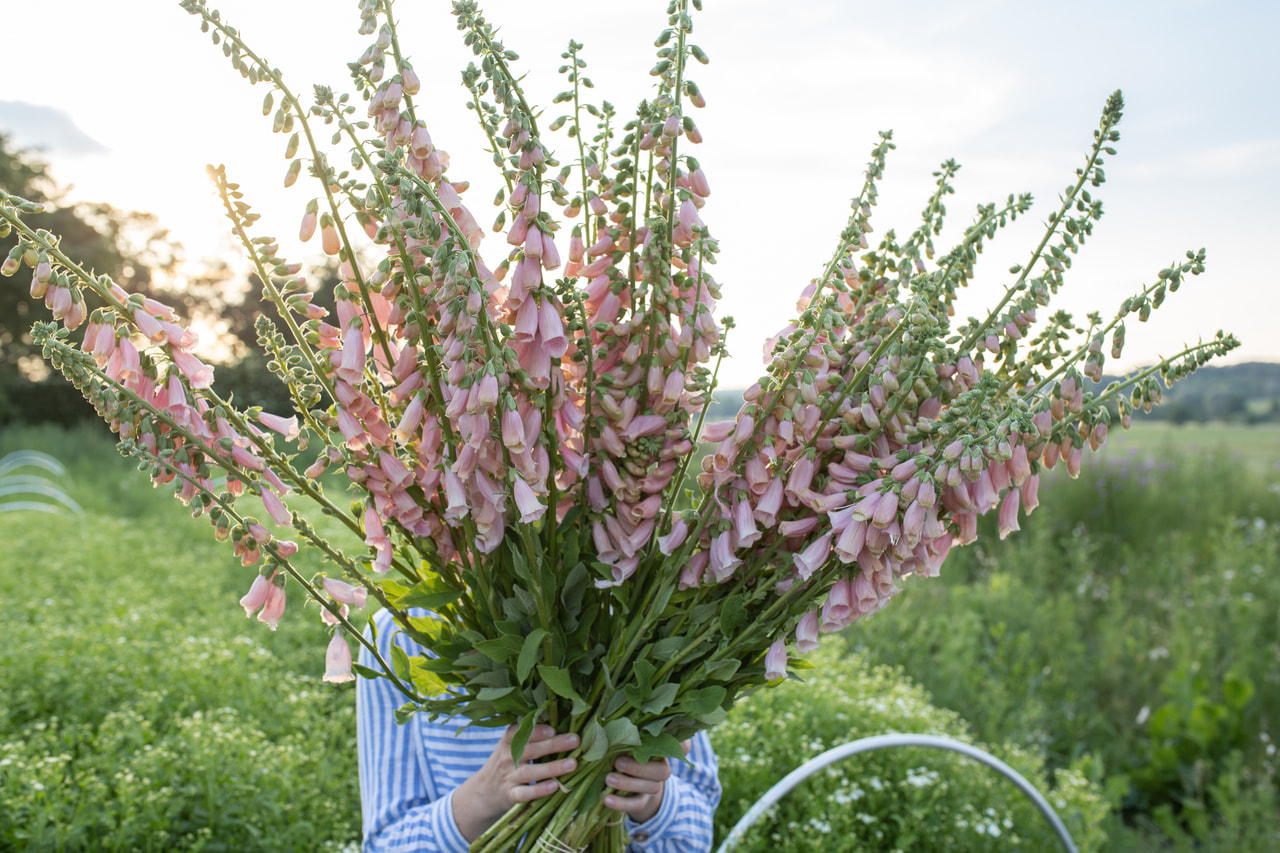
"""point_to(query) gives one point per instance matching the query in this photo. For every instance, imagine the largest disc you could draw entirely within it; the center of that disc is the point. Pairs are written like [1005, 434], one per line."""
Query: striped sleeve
[403, 806]
[683, 823]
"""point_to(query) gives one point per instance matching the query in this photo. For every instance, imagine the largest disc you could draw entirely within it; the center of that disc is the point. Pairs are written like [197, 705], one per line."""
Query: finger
[633, 805]
[623, 783]
[686, 746]
[539, 733]
[658, 769]
[540, 771]
[549, 745]
[528, 793]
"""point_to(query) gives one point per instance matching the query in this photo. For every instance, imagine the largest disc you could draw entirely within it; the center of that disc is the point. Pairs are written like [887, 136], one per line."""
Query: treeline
[1239, 393]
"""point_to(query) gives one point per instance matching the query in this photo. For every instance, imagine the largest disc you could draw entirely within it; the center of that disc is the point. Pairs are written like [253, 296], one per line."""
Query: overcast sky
[130, 102]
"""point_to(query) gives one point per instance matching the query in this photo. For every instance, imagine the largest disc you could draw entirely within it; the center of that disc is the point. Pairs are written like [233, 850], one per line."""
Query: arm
[683, 822]
[436, 786]
[403, 806]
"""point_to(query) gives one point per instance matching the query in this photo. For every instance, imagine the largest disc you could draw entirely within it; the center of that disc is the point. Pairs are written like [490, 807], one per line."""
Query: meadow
[1121, 652]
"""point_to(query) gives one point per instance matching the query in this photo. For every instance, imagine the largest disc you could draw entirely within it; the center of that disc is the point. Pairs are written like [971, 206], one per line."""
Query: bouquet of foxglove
[519, 430]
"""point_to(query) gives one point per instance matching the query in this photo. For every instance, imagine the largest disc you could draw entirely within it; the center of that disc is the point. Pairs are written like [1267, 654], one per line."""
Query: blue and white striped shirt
[408, 774]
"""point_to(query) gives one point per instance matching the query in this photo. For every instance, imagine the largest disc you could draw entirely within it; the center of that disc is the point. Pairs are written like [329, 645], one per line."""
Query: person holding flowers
[437, 786]
[571, 595]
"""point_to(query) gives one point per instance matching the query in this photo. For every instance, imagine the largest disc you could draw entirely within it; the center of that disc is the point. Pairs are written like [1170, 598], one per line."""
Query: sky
[129, 102]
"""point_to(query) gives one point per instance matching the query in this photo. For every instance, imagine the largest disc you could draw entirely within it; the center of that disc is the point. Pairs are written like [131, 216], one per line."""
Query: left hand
[640, 786]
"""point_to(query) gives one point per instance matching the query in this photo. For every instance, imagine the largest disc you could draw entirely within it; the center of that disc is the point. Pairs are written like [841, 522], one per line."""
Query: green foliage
[141, 711]
[1132, 620]
[903, 798]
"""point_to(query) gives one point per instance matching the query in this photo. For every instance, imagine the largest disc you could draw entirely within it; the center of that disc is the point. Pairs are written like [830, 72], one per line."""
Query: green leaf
[365, 672]
[529, 653]
[559, 681]
[488, 694]
[427, 629]
[622, 732]
[490, 678]
[616, 700]
[519, 564]
[713, 717]
[667, 647]
[430, 599]
[431, 593]
[400, 663]
[703, 700]
[521, 739]
[664, 596]
[661, 698]
[644, 671]
[657, 726]
[636, 695]
[732, 615]
[575, 583]
[500, 650]
[595, 741]
[722, 670]
[426, 682]
[528, 604]
[664, 746]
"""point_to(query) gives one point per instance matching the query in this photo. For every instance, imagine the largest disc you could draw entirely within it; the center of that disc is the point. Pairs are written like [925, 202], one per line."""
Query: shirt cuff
[652, 830]
[451, 837]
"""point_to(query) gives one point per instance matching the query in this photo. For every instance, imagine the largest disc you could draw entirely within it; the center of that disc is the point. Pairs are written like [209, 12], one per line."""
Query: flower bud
[330, 243]
[308, 228]
[409, 81]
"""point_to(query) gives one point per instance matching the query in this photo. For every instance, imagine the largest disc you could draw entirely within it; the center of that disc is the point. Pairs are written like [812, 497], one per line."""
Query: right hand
[501, 783]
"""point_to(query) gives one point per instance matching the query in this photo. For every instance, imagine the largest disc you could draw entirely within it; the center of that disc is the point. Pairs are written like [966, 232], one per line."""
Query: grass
[142, 711]
[1256, 447]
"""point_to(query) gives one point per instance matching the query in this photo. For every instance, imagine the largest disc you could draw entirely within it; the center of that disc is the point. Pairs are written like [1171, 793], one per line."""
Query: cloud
[1221, 161]
[46, 128]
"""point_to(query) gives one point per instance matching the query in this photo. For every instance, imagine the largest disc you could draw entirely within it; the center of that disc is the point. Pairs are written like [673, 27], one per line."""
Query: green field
[1258, 447]
[1125, 645]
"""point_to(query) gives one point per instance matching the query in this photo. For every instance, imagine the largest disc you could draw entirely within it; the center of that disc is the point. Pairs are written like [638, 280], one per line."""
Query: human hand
[501, 783]
[641, 787]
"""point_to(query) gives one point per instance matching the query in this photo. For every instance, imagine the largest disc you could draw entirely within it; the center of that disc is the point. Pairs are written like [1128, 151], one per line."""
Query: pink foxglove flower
[527, 503]
[337, 661]
[328, 617]
[669, 542]
[807, 632]
[775, 661]
[273, 609]
[256, 597]
[199, 375]
[346, 593]
[723, 559]
[1008, 516]
[811, 558]
[287, 427]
